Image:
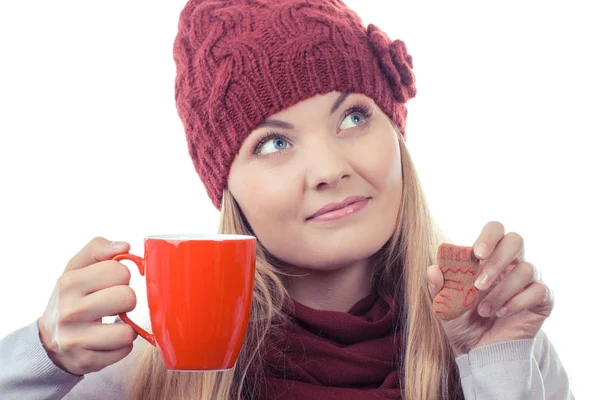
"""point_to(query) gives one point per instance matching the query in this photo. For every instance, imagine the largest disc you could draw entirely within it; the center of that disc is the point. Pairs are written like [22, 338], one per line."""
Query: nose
[327, 166]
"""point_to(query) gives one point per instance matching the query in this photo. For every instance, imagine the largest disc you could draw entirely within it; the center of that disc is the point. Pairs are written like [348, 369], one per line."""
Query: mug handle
[139, 330]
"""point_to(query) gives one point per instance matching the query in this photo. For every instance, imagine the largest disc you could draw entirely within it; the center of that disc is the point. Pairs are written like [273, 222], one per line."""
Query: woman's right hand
[91, 287]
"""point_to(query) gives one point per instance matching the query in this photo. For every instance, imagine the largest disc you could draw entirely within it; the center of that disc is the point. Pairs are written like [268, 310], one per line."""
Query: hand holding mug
[199, 290]
[91, 287]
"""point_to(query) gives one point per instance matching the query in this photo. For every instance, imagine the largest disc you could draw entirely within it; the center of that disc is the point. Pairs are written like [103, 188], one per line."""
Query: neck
[335, 290]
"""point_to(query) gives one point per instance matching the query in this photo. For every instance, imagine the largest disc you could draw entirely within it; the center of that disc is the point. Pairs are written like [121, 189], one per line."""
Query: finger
[537, 297]
[105, 337]
[435, 279]
[489, 237]
[96, 277]
[509, 250]
[506, 271]
[515, 282]
[98, 249]
[93, 361]
[105, 302]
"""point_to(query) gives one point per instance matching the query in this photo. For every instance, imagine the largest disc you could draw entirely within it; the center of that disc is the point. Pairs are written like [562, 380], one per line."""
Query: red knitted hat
[240, 61]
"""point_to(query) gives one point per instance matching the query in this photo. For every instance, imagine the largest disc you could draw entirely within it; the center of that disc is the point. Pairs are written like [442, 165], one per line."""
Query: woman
[295, 119]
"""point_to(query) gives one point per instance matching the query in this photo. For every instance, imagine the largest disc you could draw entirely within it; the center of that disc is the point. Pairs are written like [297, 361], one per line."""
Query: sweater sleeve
[520, 369]
[27, 373]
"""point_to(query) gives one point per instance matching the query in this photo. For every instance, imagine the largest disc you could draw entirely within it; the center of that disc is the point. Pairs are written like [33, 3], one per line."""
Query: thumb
[98, 249]
[435, 279]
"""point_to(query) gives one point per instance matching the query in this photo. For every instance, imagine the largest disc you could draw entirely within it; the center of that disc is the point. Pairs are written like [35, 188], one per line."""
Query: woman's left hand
[513, 303]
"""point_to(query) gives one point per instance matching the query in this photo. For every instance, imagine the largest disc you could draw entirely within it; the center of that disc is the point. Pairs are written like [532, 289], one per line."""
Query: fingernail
[485, 310]
[117, 245]
[502, 312]
[480, 251]
[482, 281]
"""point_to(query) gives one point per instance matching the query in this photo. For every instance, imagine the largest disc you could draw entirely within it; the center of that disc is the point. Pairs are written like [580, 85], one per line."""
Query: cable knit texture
[240, 61]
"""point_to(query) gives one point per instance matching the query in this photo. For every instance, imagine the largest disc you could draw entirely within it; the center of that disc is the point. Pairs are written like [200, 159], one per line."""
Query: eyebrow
[286, 125]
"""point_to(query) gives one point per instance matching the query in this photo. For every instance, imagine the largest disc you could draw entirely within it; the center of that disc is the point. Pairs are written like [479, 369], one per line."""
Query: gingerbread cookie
[458, 295]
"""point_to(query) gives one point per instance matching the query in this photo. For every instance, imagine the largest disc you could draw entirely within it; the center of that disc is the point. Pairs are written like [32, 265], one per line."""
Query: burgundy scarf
[334, 355]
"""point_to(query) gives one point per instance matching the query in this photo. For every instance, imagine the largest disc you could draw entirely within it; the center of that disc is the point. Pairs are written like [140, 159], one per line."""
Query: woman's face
[320, 151]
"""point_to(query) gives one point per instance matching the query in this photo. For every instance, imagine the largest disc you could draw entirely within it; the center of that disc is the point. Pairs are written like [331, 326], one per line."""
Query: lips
[336, 206]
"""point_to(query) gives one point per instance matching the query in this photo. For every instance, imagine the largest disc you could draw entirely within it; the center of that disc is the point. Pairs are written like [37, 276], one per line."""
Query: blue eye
[271, 143]
[355, 118]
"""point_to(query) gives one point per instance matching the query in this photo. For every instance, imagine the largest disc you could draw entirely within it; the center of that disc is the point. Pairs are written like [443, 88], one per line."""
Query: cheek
[381, 165]
[266, 199]
[271, 206]
[392, 168]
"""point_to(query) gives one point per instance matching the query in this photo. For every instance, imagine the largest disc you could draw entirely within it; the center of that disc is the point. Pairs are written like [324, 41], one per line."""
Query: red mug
[199, 290]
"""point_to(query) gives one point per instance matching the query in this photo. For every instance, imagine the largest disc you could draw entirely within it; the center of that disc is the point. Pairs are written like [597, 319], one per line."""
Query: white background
[504, 127]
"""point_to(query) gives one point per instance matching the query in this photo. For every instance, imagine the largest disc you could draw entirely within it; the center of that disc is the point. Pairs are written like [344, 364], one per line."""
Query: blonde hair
[427, 361]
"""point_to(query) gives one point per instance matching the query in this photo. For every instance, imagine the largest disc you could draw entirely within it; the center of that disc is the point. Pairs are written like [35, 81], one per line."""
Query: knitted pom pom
[395, 62]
